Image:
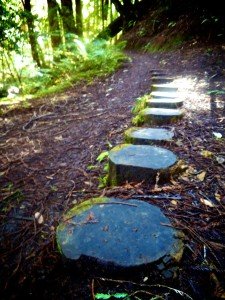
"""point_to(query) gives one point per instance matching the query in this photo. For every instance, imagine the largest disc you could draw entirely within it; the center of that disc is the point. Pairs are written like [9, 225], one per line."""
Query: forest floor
[48, 164]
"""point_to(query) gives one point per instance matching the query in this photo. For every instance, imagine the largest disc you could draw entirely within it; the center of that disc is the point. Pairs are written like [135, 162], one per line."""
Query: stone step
[164, 103]
[158, 74]
[161, 79]
[157, 94]
[147, 136]
[156, 71]
[166, 87]
[136, 163]
[158, 116]
[111, 235]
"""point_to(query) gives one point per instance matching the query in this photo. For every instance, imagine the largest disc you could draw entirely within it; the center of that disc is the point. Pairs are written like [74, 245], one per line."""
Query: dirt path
[46, 152]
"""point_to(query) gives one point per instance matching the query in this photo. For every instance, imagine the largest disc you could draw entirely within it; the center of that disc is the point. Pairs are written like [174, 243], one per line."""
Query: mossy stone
[147, 136]
[136, 163]
[159, 94]
[166, 87]
[161, 79]
[115, 234]
[159, 116]
[164, 102]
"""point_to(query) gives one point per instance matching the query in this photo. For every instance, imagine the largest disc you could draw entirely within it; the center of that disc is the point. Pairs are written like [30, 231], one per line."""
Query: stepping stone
[158, 74]
[160, 116]
[158, 94]
[164, 102]
[110, 235]
[161, 79]
[147, 136]
[136, 163]
[156, 71]
[166, 87]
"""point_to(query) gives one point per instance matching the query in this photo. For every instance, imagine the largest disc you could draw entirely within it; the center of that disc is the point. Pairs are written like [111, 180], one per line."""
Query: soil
[48, 164]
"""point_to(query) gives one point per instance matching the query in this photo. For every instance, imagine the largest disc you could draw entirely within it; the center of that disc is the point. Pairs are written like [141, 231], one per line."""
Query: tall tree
[31, 32]
[53, 20]
[79, 17]
[129, 12]
[68, 17]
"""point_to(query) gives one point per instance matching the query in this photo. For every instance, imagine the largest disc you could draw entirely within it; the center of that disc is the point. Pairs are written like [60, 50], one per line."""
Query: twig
[33, 119]
[148, 286]
[23, 218]
[158, 197]
[93, 289]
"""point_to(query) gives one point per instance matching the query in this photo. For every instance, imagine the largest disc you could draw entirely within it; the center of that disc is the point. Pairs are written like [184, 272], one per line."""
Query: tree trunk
[31, 32]
[111, 30]
[129, 13]
[79, 18]
[53, 20]
[68, 17]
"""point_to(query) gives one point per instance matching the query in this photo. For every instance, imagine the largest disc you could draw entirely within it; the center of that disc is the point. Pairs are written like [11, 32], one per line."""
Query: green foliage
[140, 104]
[115, 295]
[77, 62]
[138, 120]
[169, 44]
[11, 196]
[102, 156]
[216, 92]
[11, 20]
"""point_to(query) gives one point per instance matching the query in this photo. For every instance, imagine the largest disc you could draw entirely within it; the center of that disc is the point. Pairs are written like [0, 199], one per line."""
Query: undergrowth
[82, 63]
[140, 104]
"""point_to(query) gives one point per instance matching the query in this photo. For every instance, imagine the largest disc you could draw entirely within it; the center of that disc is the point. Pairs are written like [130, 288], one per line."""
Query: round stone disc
[123, 233]
[159, 94]
[164, 102]
[161, 115]
[167, 87]
[146, 136]
[136, 163]
[161, 79]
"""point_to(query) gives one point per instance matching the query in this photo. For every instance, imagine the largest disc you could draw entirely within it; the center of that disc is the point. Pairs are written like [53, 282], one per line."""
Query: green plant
[82, 62]
[216, 92]
[11, 197]
[142, 32]
[140, 104]
[138, 120]
[103, 157]
[103, 296]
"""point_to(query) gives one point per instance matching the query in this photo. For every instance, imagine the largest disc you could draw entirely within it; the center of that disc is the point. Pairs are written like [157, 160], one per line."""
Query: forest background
[49, 45]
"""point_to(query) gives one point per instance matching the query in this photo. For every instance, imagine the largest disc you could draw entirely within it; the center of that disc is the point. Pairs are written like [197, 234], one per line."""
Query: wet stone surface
[159, 94]
[160, 116]
[161, 79]
[121, 233]
[167, 87]
[136, 163]
[164, 102]
[146, 136]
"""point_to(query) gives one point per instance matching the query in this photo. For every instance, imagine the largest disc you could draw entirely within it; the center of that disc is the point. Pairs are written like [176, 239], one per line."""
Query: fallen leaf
[145, 279]
[201, 176]
[206, 153]
[38, 216]
[58, 138]
[218, 135]
[207, 202]
[217, 196]
[220, 159]
[179, 142]
[174, 202]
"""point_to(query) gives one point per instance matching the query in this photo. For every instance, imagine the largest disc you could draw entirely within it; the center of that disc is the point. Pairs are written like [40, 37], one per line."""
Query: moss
[127, 135]
[140, 104]
[138, 120]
